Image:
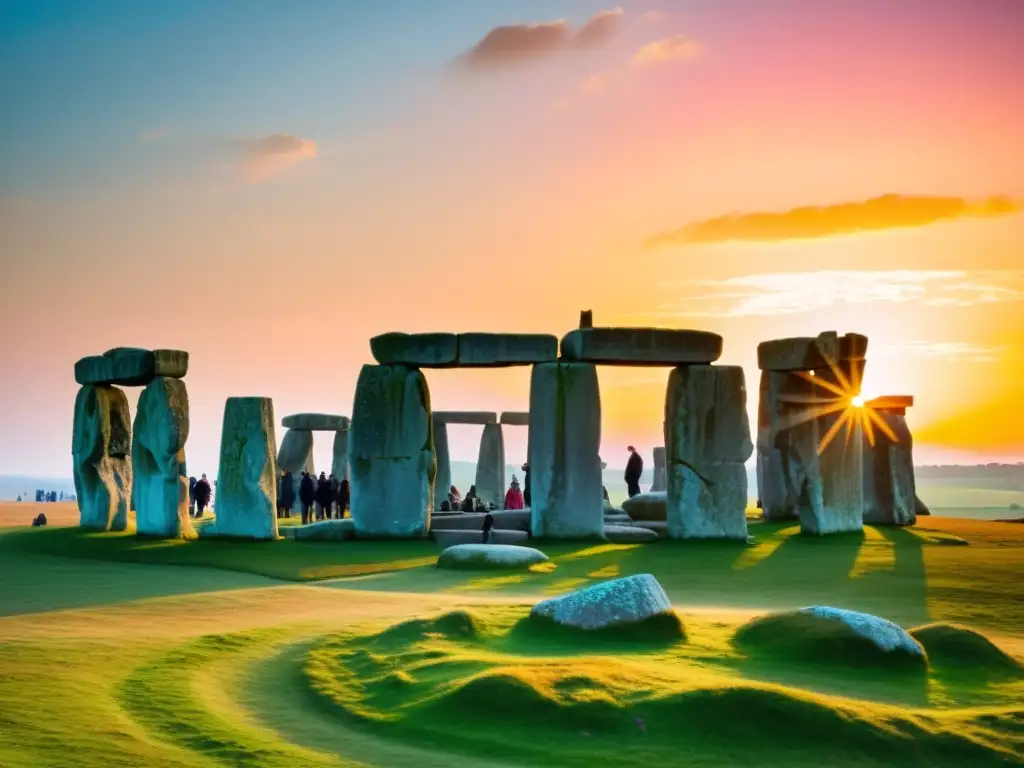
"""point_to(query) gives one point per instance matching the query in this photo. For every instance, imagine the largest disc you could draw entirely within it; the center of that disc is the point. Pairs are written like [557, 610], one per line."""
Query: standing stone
[443, 479]
[707, 441]
[247, 475]
[339, 457]
[490, 466]
[158, 460]
[101, 451]
[392, 453]
[296, 456]
[565, 436]
[890, 491]
[772, 488]
[659, 482]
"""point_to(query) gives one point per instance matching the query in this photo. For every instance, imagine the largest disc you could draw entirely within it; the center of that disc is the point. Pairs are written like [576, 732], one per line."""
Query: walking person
[203, 493]
[323, 496]
[343, 496]
[634, 469]
[192, 496]
[332, 509]
[307, 495]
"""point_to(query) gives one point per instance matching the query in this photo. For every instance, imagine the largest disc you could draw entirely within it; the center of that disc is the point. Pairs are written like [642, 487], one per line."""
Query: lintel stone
[641, 346]
[805, 353]
[499, 350]
[427, 350]
[131, 367]
[516, 418]
[316, 422]
[465, 417]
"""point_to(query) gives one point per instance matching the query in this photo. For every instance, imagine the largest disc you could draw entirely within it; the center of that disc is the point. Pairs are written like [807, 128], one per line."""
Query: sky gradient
[268, 186]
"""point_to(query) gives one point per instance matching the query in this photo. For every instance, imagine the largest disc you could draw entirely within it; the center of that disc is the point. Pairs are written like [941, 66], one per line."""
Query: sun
[857, 401]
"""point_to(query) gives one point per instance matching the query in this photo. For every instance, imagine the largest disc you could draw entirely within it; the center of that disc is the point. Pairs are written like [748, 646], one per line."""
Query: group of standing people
[199, 494]
[514, 499]
[322, 498]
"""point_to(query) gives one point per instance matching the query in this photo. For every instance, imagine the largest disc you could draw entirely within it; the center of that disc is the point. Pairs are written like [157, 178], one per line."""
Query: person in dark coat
[323, 496]
[634, 469]
[39, 520]
[526, 484]
[192, 496]
[286, 496]
[335, 486]
[344, 493]
[469, 503]
[488, 524]
[203, 493]
[307, 495]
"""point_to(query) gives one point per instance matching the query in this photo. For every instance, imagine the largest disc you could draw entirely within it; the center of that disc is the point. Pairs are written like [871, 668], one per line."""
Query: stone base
[707, 501]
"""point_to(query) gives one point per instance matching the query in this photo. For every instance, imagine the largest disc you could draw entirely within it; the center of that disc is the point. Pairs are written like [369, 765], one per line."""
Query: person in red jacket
[514, 496]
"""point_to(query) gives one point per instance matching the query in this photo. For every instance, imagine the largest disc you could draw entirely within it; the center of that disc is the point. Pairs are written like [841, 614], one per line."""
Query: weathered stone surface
[707, 501]
[467, 557]
[807, 353]
[772, 453]
[613, 519]
[660, 527]
[659, 482]
[826, 476]
[247, 474]
[339, 455]
[615, 603]
[296, 456]
[492, 350]
[391, 453]
[324, 530]
[565, 469]
[641, 346]
[429, 350]
[443, 478]
[504, 519]
[652, 505]
[101, 454]
[465, 417]
[628, 534]
[449, 538]
[490, 466]
[131, 367]
[317, 422]
[158, 460]
[516, 418]
[889, 487]
[884, 634]
[706, 415]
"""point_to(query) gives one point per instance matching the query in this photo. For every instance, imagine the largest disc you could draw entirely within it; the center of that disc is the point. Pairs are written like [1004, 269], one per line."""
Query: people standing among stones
[514, 496]
[307, 495]
[323, 496]
[469, 503]
[286, 495]
[634, 469]
[344, 493]
[203, 493]
[488, 524]
[192, 496]
[526, 483]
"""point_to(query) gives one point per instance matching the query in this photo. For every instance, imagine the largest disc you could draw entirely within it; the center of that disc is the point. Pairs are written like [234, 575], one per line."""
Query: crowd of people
[320, 498]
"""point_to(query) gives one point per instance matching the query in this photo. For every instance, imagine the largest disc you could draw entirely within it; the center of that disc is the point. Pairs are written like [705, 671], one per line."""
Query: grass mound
[966, 650]
[456, 625]
[658, 629]
[814, 640]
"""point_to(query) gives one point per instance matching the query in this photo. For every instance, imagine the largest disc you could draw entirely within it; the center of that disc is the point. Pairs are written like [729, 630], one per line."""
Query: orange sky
[271, 212]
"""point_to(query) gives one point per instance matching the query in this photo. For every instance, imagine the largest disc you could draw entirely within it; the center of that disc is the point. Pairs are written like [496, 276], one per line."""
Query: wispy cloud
[945, 350]
[885, 212]
[512, 45]
[674, 48]
[268, 156]
[653, 17]
[790, 293]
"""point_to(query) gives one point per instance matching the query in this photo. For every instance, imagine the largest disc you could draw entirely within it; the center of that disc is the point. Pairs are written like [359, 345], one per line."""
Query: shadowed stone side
[392, 453]
[247, 474]
[641, 346]
[807, 353]
[659, 482]
[707, 501]
[565, 436]
[889, 486]
[772, 488]
[158, 460]
[490, 466]
[443, 478]
[101, 451]
[339, 455]
[296, 456]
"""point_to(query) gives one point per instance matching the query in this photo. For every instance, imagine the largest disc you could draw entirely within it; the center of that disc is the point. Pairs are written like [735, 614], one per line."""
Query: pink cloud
[270, 155]
[674, 48]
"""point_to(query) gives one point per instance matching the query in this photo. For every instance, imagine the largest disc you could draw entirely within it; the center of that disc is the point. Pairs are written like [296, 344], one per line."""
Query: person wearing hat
[514, 496]
[634, 469]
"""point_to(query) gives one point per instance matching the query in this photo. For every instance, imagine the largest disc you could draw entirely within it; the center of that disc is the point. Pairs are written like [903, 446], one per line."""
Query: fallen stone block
[316, 422]
[650, 506]
[426, 350]
[516, 418]
[504, 519]
[472, 557]
[629, 534]
[465, 417]
[247, 474]
[622, 519]
[448, 538]
[805, 353]
[495, 350]
[660, 527]
[641, 346]
[616, 604]
[325, 530]
[131, 367]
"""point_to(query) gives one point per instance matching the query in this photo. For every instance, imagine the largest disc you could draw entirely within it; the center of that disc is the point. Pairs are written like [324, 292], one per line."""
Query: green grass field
[116, 650]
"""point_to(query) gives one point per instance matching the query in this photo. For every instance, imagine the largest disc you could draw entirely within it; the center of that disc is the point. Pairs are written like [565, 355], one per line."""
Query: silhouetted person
[307, 495]
[344, 496]
[486, 528]
[192, 496]
[39, 520]
[203, 493]
[469, 503]
[634, 469]
[334, 496]
[604, 492]
[323, 496]
[526, 483]
[286, 496]
[446, 506]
